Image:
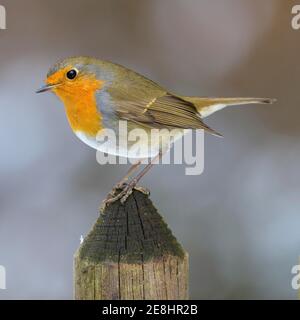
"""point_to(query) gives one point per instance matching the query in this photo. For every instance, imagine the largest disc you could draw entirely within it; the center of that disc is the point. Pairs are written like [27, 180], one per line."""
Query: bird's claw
[127, 190]
[119, 186]
[143, 190]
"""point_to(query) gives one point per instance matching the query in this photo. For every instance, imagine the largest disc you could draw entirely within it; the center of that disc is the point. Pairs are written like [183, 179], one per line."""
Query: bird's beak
[47, 87]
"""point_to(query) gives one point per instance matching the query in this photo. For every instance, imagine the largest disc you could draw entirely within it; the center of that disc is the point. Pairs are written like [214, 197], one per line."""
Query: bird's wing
[165, 111]
[131, 96]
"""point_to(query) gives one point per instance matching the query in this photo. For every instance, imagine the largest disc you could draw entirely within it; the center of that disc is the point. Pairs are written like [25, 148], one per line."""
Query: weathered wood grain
[131, 254]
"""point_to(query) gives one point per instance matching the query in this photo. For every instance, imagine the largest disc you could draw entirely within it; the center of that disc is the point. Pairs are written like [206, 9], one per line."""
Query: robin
[98, 94]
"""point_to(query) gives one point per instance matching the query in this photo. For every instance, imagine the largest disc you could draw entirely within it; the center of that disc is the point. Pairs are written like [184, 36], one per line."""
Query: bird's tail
[208, 106]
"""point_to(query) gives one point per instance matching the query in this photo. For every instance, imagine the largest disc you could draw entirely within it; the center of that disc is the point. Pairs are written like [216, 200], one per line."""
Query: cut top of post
[131, 233]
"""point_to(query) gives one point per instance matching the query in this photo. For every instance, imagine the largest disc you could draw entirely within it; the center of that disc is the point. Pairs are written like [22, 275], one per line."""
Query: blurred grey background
[239, 220]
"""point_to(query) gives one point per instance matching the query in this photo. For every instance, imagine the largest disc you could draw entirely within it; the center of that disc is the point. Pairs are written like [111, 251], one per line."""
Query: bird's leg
[121, 185]
[127, 191]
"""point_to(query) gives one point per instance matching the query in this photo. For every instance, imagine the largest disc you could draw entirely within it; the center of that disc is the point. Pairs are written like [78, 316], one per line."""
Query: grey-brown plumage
[127, 95]
[98, 95]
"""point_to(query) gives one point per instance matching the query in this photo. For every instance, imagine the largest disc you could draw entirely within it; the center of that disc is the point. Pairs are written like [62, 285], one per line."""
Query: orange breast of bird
[80, 103]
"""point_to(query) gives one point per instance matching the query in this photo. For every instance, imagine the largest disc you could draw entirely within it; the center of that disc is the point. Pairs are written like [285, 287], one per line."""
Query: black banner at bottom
[90, 310]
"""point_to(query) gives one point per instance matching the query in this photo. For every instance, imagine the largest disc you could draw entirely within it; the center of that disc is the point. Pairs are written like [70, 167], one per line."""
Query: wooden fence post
[130, 254]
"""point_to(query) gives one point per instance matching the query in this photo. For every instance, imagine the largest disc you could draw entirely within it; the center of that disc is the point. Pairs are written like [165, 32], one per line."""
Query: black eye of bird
[72, 74]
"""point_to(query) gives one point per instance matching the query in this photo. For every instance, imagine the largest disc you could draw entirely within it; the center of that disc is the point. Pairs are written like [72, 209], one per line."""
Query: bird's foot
[119, 186]
[127, 190]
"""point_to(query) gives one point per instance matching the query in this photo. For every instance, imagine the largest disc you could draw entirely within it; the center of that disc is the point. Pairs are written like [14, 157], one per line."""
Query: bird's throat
[82, 112]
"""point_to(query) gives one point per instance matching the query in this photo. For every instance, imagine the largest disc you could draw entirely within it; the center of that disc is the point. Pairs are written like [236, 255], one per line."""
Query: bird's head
[73, 77]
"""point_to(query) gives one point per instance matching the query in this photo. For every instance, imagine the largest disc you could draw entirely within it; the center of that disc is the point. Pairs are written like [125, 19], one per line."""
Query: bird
[98, 94]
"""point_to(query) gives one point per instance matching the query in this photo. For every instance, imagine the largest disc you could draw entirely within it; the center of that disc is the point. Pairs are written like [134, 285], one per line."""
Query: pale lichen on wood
[131, 254]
